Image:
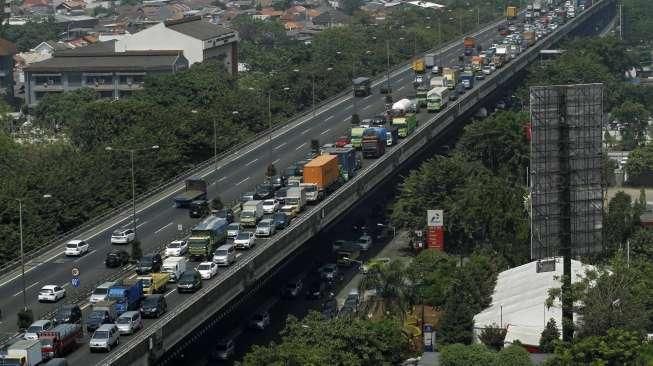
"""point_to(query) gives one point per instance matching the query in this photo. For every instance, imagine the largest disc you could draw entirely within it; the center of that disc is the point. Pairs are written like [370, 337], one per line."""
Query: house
[69, 6]
[40, 7]
[50, 47]
[7, 52]
[331, 19]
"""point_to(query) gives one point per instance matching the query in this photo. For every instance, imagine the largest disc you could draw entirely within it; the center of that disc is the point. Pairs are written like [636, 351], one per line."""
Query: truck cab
[362, 86]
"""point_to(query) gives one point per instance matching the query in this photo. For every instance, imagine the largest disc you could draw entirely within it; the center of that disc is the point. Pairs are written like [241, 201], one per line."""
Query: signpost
[435, 232]
[75, 280]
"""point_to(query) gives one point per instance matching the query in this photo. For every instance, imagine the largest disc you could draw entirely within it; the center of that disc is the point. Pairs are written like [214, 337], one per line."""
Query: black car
[68, 314]
[316, 290]
[149, 263]
[277, 181]
[330, 308]
[378, 120]
[190, 281]
[346, 311]
[153, 306]
[264, 191]
[291, 171]
[199, 208]
[246, 196]
[225, 213]
[280, 220]
[281, 194]
[116, 258]
[97, 318]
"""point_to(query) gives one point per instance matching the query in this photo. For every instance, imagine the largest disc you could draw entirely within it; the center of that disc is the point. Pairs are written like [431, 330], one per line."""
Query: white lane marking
[65, 284]
[221, 179]
[300, 146]
[32, 268]
[367, 106]
[129, 224]
[305, 132]
[163, 227]
[330, 117]
[325, 131]
[84, 256]
[26, 288]
[242, 181]
[141, 224]
[252, 162]
[132, 276]
[348, 106]
[276, 161]
[280, 146]
[400, 88]
[84, 306]
[168, 293]
[367, 97]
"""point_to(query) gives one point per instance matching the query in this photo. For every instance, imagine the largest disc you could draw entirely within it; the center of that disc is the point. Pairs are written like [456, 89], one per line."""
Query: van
[129, 322]
[174, 266]
[224, 255]
[100, 293]
[104, 338]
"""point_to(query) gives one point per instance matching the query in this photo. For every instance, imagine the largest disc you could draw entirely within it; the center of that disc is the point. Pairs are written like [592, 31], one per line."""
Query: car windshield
[46, 291]
[233, 227]
[221, 253]
[247, 214]
[149, 301]
[264, 224]
[174, 245]
[74, 246]
[204, 267]
[34, 329]
[100, 291]
[268, 202]
[96, 315]
[186, 277]
[243, 236]
[118, 233]
[101, 334]
[280, 217]
[146, 261]
[309, 189]
[123, 320]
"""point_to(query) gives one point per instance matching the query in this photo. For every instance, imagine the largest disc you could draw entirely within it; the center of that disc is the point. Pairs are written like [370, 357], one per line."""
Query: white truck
[252, 213]
[295, 200]
[404, 106]
[174, 266]
[26, 351]
[429, 60]
[437, 82]
[312, 192]
[437, 98]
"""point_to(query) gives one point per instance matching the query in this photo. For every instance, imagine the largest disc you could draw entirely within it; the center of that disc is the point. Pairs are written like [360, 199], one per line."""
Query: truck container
[392, 135]
[195, 189]
[154, 283]
[529, 37]
[362, 86]
[295, 198]
[374, 142]
[127, 294]
[511, 12]
[429, 60]
[437, 99]
[322, 171]
[469, 44]
[419, 66]
[420, 94]
[346, 160]
[174, 267]
[402, 107]
[405, 124]
[451, 77]
[252, 213]
[438, 81]
[26, 351]
[61, 340]
[356, 137]
[467, 79]
[207, 236]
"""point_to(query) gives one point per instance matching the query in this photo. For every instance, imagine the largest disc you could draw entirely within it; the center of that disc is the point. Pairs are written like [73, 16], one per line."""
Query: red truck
[61, 340]
[469, 44]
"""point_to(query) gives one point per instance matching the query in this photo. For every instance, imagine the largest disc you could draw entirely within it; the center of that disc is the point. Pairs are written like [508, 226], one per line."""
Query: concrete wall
[159, 37]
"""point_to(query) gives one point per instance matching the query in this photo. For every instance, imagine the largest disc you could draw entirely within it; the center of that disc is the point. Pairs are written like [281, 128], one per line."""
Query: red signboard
[435, 237]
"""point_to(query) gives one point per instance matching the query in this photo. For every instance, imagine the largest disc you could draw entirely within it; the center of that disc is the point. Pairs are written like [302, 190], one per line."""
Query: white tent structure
[518, 302]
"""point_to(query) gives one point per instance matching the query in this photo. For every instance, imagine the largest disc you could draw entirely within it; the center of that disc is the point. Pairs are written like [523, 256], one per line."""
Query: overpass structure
[178, 327]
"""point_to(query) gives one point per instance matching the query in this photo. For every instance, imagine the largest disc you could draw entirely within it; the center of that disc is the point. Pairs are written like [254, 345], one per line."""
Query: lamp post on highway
[131, 158]
[313, 86]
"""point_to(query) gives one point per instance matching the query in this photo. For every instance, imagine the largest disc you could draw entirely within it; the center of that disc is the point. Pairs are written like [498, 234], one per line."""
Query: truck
[418, 66]
[324, 172]
[451, 77]
[356, 137]
[392, 134]
[127, 294]
[25, 352]
[477, 63]
[195, 189]
[429, 60]
[529, 37]
[469, 44]
[511, 12]
[437, 99]
[467, 79]
[295, 199]
[374, 142]
[437, 82]
[420, 94]
[174, 267]
[313, 194]
[346, 160]
[537, 8]
[406, 124]
[362, 86]
[61, 340]
[207, 236]
[154, 283]
[402, 107]
[252, 213]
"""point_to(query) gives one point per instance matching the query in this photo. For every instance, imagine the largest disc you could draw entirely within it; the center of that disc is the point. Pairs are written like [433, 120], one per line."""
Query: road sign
[180, 227]
[434, 218]
[75, 272]
[75, 282]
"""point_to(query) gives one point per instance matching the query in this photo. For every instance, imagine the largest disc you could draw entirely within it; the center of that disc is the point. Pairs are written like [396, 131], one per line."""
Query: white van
[224, 255]
[175, 266]
[101, 292]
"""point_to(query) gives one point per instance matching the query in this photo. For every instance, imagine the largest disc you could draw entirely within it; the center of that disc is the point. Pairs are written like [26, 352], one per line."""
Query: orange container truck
[322, 171]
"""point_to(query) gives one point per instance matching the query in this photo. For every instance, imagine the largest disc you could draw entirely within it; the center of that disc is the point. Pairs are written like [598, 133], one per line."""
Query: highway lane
[158, 224]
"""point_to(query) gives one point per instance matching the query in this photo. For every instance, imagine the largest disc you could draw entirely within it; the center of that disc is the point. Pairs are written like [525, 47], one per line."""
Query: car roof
[127, 314]
[41, 322]
[105, 327]
[74, 241]
[48, 287]
[177, 241]
[225, 246]
[207, 262]
[153, 296]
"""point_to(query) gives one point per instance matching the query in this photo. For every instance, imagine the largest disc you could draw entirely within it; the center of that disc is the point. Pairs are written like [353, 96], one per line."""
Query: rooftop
[124, 61]
[197, 28]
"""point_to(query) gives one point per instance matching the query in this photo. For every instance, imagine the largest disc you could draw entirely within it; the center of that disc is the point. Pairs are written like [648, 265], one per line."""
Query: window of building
[47, 80]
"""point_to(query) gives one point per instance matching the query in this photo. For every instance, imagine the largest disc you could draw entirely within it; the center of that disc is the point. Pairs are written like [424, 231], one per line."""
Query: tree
[617, 347]
[620, 222]
[137, 251]
[431, 273]
[550, 336]
[635, 118]
[271, 171]
[493, 336]
[513, 355]
[464, 355]
[391, 298]
[641, 244]
[457, 323]
[25, 318]
[350, 6]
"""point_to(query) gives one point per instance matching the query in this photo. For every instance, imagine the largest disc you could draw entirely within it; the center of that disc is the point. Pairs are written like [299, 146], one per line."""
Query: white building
[200, 40]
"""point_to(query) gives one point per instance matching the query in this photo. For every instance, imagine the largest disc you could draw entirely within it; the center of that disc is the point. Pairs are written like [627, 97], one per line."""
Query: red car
[342, 141]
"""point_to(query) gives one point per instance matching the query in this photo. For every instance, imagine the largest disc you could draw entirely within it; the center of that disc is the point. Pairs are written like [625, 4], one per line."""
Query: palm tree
[391, 290]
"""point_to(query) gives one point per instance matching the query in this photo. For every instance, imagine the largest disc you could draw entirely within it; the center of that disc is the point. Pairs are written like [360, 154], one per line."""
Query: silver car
[224, 255]
[105, 337]
[233, 229]
[129, 322]
[265, 228]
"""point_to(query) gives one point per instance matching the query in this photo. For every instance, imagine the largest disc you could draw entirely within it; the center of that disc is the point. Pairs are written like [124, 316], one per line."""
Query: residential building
[7, 52]
[331, 19]
[112, 74]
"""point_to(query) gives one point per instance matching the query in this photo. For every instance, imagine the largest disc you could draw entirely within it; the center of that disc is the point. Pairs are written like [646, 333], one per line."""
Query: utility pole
[22, 251]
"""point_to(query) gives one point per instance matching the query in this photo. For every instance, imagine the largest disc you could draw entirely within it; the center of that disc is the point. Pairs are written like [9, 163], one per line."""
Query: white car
[233, 229]
[419, 79]
[244, 240]
[265, 228]
[123, 236]
[364, 242]
[487, 70]
[207, 270]
[51, 293]
[38, 326]
[76, 248]
[176, 248]
[270, 206]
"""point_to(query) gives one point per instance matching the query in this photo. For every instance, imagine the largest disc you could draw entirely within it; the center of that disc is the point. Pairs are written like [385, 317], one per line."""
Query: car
[346, 311]
[378, 120]
[101, 292]
[129, 322]
[280, 194]
[189, 281]
[316, 290]
[352, 300]
[51, 293]
[223, 350]
[293, 288]
[281, 220]
[338, 244]
[330, 308]
[329, 272]
[224, 255]
[246, 196]
[419, 79]
[364, 242]
[374, 263]
[76, 248]
[277, 181]
[260, 320]
[264, 191]
[96, 318]
[69, 313]
[265, 228]
[198, 208]
[487, 70]
[233, 229]
[153, 306]
[149, 263]
[225, 213]
[123, 236]
[104, 338]
[41, 325]
[176, 248]
[207, 270]
[270, 206]
[244, 240]
[343, 141]
[116, 258]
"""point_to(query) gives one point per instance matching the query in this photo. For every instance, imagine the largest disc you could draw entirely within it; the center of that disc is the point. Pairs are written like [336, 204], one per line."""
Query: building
[7, 52]
[198, 39]
[112, 74]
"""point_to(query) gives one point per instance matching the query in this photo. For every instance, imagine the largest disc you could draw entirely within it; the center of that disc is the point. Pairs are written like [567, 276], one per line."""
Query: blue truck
[374, 142]
[346, 160]
[467, 79]
[127, 294]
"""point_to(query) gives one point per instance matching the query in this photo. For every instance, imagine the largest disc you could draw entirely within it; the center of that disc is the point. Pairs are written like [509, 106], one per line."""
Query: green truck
[437, 99]
[357, 137]
[420, 94]
[406, 124]
[206, 237]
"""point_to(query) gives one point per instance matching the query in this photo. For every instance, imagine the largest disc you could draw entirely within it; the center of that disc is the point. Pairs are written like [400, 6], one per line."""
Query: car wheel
[108, 348]
[117, 341]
